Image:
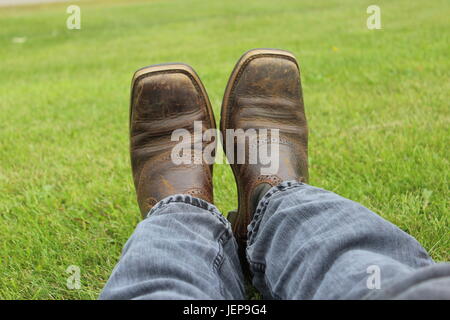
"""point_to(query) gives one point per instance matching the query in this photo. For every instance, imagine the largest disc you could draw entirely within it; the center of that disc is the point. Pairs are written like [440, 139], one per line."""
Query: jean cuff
[193, 201]
[253, 227]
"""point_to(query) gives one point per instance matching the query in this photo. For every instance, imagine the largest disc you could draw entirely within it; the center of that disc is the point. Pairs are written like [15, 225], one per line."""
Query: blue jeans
[303, 243]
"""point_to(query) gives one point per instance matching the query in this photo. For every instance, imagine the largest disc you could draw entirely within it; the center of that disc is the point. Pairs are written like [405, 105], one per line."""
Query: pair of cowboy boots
[263, 92]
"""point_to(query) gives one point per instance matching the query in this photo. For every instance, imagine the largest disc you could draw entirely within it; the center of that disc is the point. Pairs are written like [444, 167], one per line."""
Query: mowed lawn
[377, 103]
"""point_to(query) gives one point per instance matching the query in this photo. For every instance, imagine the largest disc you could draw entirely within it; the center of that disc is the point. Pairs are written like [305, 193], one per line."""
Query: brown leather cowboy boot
[165, 98]
[264, 92]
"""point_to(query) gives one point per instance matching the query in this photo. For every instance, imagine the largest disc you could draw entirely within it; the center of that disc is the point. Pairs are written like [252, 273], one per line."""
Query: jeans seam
[220, 257]
[218, 260]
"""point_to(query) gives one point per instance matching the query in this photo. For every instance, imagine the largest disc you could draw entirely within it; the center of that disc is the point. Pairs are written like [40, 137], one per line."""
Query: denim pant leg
[184, 249]
[308, 243]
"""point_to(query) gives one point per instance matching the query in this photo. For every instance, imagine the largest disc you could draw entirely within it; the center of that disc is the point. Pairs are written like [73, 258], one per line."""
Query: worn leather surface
[163, 101]
[264, 91]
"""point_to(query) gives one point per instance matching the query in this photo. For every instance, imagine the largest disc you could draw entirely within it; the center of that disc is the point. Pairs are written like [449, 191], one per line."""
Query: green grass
[377, 103]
